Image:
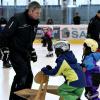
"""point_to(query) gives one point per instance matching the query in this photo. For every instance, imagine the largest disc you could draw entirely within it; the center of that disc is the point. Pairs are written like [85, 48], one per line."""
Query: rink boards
[75, 34]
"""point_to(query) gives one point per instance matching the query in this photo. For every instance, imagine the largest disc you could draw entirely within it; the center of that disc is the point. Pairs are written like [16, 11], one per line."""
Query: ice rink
[6, 75]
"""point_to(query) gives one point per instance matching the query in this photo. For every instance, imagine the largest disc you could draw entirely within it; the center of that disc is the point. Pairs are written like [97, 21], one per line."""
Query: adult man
[20, 33]
[94, 28]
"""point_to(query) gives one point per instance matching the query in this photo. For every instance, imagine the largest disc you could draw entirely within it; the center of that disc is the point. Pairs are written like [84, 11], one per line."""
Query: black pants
[49, 42]
[44, 41]
[5, 58]
[24, 77]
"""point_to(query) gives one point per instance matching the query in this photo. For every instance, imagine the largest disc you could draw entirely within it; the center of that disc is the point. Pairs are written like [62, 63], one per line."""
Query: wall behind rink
[72, 33]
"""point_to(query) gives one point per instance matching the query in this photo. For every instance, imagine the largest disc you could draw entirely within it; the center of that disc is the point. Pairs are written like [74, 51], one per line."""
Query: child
[48, 37]
[92, 71]
[68, 67]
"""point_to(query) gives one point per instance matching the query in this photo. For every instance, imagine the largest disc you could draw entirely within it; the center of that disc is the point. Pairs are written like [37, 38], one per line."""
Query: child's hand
[84, 69]
[49, 67]
[46, 69]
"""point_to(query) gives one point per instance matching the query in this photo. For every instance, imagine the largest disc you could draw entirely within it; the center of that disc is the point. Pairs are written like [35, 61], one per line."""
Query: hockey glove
[49, 67]
[33, 55]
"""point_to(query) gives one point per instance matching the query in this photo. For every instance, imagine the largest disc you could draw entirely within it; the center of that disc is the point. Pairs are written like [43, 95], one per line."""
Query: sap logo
[76, 34]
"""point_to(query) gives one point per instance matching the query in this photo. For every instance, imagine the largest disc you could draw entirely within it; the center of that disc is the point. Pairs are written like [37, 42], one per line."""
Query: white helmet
[64, 45]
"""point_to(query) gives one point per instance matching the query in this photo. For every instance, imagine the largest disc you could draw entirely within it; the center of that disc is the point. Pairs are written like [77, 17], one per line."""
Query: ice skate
[49, 55]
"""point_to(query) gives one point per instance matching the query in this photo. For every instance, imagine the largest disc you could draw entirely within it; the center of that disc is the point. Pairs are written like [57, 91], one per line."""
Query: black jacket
[94, 28]
[19, 33]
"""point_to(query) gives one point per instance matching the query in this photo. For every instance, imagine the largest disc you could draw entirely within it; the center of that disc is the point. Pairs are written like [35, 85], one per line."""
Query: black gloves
[33, 55]
[49, 67]
[46, 69]
[4, 51]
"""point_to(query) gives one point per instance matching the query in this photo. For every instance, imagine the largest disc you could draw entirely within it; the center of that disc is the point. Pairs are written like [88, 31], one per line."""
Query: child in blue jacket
[92, 71]
[68, 67]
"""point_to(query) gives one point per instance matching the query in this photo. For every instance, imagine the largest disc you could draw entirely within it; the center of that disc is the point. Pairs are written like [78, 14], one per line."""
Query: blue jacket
[68, 67]
[90, 61]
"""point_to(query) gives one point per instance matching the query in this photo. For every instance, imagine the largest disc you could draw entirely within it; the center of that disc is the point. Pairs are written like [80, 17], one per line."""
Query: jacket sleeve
[90, 28]
[53, 71]
[96, 56]
[89, 62]
[8, 31]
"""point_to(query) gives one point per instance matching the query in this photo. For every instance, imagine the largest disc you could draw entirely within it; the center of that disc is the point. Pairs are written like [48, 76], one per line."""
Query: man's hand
[4, 51]
[84, 69]
[33, 55]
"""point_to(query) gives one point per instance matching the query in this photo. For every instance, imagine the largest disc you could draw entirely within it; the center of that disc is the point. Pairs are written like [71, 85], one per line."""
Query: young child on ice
[92, 71]
[48, 38]
[68, 67]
